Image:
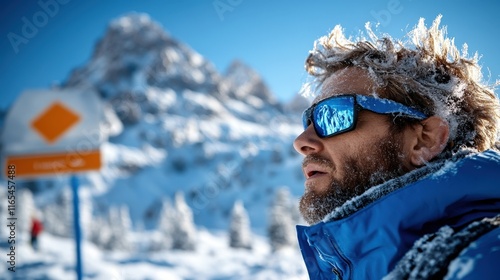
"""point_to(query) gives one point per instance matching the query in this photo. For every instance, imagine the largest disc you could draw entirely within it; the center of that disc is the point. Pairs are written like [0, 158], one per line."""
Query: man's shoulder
[489, 157]
[469, 253]
[480, 260]
[491, 153]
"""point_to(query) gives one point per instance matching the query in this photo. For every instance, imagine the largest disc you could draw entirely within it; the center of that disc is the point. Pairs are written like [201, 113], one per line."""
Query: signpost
[54, 133]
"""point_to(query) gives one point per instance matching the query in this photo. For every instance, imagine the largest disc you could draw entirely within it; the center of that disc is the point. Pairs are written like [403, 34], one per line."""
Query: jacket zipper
[338, 252]
[337, 273]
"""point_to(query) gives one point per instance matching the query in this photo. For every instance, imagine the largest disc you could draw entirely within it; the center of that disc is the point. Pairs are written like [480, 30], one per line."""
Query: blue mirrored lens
[332, 116]
[305, 118]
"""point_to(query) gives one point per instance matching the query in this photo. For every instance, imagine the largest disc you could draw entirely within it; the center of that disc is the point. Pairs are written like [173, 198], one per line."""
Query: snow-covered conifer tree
[100, 231]
[58, 216]
[25, 211]
[184, 231]
[281, 225]
[166, 223]
[240, 234]
[120, 226]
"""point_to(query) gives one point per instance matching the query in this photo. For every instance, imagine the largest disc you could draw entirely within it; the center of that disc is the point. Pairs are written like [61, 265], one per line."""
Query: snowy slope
[175, 125]
[187, 128]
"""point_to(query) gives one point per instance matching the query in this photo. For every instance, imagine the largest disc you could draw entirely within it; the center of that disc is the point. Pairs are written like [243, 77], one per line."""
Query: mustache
[318, 160]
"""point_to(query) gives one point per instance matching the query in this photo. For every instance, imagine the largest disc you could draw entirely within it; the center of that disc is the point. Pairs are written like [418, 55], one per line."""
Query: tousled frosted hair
[427, 73]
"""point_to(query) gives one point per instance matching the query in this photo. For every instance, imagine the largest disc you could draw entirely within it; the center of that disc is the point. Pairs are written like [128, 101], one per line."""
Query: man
[400, 161]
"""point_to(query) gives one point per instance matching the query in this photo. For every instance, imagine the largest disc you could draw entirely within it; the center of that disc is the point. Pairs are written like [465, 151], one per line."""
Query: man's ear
[429, 140]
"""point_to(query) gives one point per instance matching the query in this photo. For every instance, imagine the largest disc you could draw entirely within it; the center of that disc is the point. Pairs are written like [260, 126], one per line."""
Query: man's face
[344, 166]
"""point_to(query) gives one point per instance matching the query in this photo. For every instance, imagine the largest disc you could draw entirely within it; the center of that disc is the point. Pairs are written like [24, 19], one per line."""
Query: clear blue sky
[273, 37]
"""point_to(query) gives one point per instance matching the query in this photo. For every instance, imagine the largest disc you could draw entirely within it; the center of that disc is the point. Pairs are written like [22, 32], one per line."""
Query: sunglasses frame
[308, 118]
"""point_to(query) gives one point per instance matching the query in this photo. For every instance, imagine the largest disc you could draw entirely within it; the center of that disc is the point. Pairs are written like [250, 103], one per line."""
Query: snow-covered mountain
[177, 125]
[217, 138]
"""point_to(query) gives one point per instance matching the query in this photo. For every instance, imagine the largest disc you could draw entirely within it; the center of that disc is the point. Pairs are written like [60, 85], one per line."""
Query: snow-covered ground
[212, 259]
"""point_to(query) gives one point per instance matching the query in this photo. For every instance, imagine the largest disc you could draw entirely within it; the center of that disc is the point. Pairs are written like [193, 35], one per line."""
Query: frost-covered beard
[377, 163]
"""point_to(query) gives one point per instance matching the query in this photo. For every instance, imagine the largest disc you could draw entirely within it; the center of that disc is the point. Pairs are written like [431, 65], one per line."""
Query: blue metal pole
[76, 222]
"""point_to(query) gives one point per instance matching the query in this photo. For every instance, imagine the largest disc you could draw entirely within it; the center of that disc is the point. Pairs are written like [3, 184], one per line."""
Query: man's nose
[308, 142]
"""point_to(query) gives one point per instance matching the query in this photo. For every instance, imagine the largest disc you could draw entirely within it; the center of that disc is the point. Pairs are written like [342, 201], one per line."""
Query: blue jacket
[366, 237]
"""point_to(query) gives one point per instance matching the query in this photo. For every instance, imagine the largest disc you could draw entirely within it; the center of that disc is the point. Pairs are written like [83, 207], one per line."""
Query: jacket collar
[373, 231]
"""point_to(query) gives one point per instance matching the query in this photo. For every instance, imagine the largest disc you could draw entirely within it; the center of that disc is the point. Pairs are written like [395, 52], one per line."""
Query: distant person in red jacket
[36, 228]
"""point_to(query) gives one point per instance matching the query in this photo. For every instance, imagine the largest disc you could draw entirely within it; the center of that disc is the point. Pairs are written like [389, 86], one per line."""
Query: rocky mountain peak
[133, 32]
[136, 54]
[246, 82]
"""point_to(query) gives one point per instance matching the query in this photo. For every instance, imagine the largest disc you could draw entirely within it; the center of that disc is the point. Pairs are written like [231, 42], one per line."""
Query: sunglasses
[338, 114]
